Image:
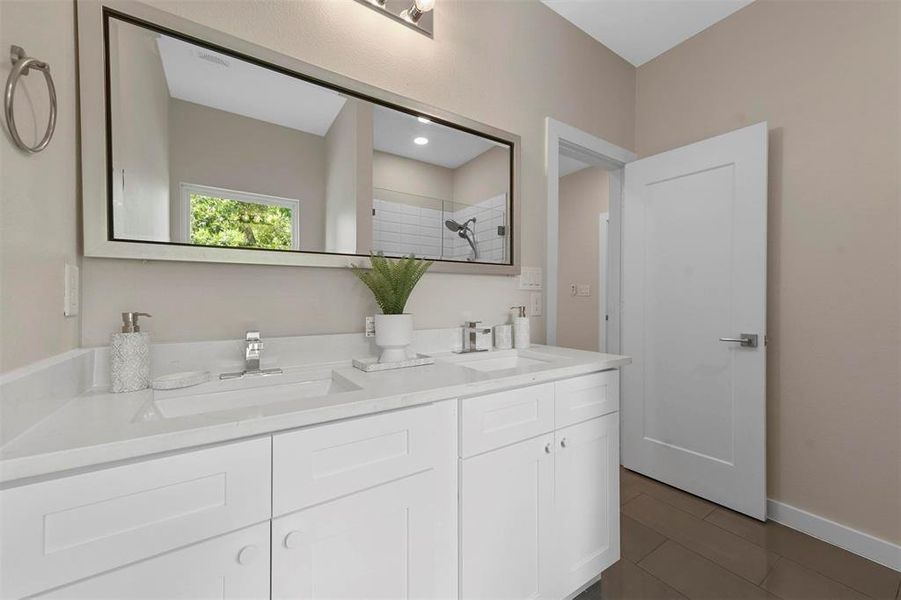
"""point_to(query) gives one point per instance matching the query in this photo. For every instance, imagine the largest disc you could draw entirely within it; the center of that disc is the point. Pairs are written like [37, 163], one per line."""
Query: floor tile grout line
[752, 542]
[654, 577]
[704, 558]
[806, 566]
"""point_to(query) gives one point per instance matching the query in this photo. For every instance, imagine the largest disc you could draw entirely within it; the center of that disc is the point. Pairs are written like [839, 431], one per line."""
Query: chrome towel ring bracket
[22, 64]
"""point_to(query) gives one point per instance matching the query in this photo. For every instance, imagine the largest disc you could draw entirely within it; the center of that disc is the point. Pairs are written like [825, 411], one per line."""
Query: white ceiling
[568, 165]
[394, 131]
[639, 30]
[208, 78]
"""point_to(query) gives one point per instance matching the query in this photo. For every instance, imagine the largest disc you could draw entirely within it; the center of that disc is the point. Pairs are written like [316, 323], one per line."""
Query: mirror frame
[96, 144]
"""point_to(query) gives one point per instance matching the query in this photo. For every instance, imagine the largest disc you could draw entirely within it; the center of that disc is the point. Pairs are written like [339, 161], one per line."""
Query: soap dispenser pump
[521, 333]
[130, 356]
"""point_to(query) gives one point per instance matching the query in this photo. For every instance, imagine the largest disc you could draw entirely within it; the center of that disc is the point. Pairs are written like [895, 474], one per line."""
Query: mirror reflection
[213, 150]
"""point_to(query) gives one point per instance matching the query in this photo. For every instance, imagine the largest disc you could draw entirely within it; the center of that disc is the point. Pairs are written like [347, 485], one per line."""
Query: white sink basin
[247, 392]
[514, 361]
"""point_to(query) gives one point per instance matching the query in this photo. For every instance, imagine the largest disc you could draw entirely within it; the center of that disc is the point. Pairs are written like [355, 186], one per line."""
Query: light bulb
[424, 5]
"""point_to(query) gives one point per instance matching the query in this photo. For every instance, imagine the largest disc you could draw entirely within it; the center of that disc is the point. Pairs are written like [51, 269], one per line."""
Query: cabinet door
[506, 519]
[378, 543]
[586, 480]
[231, 566]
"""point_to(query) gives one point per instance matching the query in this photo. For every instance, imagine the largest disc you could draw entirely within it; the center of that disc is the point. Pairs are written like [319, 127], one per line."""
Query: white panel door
[586, 497]
[694, 271]
[507, 514]
[378, 543]
[229, 567]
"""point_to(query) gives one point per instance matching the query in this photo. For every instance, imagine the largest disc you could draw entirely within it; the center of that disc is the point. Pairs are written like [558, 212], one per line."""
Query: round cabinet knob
[563, 443]
[547, 448]
[292, 540]
[248, 554]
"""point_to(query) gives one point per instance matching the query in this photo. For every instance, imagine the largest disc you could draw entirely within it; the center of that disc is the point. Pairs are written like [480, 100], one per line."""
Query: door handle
[747, 340]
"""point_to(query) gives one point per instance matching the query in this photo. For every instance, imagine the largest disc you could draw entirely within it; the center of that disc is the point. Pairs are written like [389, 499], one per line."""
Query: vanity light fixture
[415, 14]
[421, 141]
[416, 10]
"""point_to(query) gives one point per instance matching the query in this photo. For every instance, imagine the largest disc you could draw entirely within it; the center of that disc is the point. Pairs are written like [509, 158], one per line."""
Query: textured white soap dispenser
[521, 333]
[130, 356]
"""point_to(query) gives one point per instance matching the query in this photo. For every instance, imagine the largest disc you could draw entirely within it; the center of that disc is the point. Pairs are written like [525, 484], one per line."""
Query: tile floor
[675, 545]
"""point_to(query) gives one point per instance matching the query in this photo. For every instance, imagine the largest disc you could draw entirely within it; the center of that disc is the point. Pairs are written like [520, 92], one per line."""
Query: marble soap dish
[372, 364]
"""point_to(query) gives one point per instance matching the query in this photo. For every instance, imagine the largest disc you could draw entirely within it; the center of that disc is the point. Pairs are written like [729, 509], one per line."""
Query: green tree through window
[223, 222]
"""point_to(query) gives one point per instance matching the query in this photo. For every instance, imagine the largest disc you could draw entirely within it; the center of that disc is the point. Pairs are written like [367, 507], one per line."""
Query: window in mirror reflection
[239, 219]
[210, 149]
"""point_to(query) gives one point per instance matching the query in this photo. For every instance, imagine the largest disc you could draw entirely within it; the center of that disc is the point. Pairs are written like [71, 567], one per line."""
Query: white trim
[863, 544]
[185, 218]
[602, 291]
[560, 135]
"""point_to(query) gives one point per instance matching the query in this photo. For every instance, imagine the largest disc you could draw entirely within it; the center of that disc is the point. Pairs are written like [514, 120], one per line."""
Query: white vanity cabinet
[232, 567]
[366, 508]
[63, 530]
[511, 494]
[540, 516]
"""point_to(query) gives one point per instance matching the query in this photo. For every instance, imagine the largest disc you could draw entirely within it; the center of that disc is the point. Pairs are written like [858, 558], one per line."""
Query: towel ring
[21, 65]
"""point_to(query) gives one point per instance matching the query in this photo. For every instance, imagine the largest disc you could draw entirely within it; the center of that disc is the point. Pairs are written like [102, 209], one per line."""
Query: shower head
[457, 227]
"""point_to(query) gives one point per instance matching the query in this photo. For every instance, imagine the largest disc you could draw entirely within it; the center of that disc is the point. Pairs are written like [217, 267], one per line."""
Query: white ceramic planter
[393, 333]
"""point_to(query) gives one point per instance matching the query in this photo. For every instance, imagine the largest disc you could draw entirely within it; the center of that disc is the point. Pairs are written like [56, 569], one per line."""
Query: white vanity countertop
[99, 427]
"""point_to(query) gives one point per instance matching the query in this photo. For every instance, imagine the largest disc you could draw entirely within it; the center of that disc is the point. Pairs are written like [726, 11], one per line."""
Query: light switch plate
[535, 304]
[583, 289]
[530, 278]
[370, 327]
[71, 292]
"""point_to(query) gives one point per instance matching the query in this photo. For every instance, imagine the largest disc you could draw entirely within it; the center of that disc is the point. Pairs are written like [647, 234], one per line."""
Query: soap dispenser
[130, 356]
[521, 332]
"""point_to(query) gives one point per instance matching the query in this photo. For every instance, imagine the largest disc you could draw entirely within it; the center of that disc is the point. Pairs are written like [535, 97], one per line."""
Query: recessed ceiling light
[421, 141]
[423, 120]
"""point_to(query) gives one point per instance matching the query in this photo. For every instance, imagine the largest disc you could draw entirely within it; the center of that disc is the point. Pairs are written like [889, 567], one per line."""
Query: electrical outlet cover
[535, 304]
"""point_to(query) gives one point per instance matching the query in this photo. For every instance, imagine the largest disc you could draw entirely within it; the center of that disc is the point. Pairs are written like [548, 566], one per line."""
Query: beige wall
[140, 124]
[348, 180]
[825, 75]
[484, 177]
[559, 72]
[584, 195]
[408, 176]
[226, 150]
[38, 193]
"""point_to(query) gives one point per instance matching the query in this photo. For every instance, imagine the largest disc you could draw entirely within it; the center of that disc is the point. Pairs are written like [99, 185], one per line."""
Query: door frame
[559, 137]
[604, 270]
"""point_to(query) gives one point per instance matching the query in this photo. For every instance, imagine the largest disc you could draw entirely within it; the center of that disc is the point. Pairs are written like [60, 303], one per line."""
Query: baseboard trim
[878, 550]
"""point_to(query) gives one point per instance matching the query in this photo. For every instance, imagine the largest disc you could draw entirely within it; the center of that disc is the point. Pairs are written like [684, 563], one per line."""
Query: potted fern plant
[392, 282]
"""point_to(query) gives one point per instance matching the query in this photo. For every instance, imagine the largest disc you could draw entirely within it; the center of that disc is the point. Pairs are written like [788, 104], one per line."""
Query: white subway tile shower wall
[400, 229]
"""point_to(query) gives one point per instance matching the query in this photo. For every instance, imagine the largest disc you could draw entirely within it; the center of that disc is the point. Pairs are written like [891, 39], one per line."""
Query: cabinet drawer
[231, 567]
[496, 420]
[586, 397]
[317, 464]
[65, 529]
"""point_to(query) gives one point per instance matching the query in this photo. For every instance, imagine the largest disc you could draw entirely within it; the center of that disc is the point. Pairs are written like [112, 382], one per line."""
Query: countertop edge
[29, 469]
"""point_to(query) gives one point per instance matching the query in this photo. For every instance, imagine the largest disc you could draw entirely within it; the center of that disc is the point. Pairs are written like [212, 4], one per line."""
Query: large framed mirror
[201, 146]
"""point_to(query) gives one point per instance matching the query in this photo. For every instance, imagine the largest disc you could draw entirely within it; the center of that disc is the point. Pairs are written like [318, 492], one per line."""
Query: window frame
[185, 224]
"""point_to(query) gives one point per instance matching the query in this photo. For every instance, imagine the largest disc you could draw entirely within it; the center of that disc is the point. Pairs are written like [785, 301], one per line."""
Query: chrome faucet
[253, 350]
[253, 347]
[476, 338]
